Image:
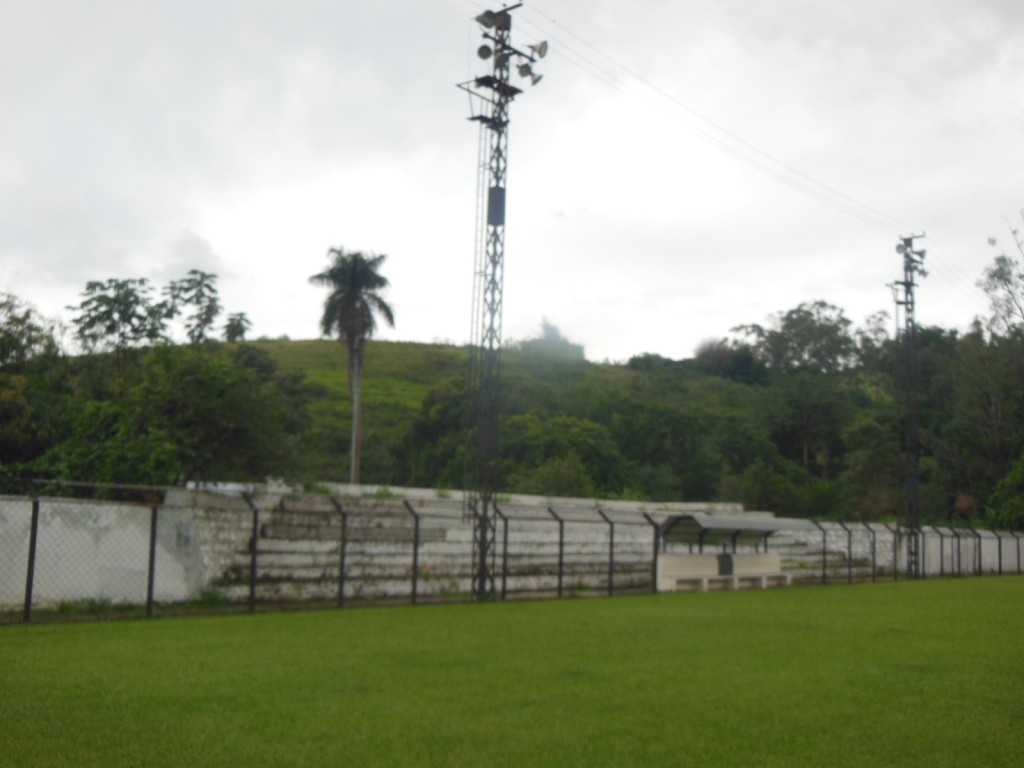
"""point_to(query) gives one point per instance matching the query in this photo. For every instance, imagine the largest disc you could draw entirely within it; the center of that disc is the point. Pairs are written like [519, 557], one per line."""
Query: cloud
[245, 137]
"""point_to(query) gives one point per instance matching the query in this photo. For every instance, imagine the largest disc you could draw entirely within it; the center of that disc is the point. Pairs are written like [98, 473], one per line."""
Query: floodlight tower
[490, 96]
[903, 294]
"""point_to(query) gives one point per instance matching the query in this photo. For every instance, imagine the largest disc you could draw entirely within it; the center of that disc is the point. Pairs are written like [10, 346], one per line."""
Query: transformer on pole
[903, 294]
[490, 96]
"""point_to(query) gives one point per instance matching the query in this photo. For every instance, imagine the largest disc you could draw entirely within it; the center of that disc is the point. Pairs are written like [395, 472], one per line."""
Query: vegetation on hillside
[802, 414]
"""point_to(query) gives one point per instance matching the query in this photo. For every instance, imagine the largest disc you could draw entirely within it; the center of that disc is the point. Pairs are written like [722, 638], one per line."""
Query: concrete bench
[755, 571]
[705, 573]
[692, 573]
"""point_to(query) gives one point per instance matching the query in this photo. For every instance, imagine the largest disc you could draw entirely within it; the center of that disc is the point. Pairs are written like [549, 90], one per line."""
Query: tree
[543, 442]
[350, 312]
[192, 415]
[729, 360]
[1004, 284]
[812, 337]
[1007, 501]
[118, 314]
[236, 327]
[199, 291]
[807, 422]
[23, 333]
[17, 419]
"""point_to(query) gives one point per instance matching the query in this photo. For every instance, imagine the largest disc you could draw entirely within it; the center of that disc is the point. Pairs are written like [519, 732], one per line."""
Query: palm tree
[349, 312]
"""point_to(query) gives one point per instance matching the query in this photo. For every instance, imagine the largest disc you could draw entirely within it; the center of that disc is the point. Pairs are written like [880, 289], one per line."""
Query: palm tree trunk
[356, 386]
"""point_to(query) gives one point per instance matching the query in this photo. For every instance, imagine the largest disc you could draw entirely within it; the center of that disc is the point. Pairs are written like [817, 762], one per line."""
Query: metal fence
[112, 550]
[855, 552]
[78, 551]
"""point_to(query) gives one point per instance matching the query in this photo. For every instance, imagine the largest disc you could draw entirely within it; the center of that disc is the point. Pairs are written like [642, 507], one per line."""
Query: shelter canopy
[727, 529]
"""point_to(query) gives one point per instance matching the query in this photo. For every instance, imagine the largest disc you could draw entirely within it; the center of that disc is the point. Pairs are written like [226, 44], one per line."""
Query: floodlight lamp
[500, 60]
[525, 70]
[539, 49]
[901, 248]
[487, 19]
[502, 21]
[534, 79]
[484, 51]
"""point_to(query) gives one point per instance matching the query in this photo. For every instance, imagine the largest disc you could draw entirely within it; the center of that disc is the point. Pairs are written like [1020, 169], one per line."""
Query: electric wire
[820, 192]
[734, 145]
[861, 210]
[956, 276]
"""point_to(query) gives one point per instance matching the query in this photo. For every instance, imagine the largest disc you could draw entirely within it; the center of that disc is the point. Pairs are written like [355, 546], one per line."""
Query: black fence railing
[122, 551]
[857, 552]
[72, 551]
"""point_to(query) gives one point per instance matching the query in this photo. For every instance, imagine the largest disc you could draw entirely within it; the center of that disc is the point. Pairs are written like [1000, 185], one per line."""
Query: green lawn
[926, 673]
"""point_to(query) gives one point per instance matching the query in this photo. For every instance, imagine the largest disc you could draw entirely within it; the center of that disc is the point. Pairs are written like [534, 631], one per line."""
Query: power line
[616, 75]
[756, 158]
[956, 277]
[809, 186]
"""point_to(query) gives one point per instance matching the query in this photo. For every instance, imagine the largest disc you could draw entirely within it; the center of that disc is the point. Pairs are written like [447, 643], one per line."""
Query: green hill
[398, 378]
[797, 434]
[653, 428]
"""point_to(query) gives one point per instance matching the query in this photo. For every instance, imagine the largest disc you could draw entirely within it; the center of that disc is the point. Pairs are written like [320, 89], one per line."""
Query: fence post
[942, 551]
[611, 552]
[978, 567]
[654, 559]
[824, 553]
[561, 548]
[504, 551]
[344, 542]
[959, 558]
[253, 551]
[874, 553]
[33, 539]
[1014, 534]
[415, 548]
[999, 545]
[922, 548]
[895, 531]
[151, 575]
[849, 552]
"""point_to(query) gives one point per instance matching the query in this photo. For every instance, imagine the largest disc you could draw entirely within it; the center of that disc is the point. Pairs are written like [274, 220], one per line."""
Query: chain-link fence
[73, 550]
[857, 552]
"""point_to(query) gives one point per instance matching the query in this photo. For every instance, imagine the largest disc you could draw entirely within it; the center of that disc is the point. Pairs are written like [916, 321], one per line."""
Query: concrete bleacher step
[332, 532]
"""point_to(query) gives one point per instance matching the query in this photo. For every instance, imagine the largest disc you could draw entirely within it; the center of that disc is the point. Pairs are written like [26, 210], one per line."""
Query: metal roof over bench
[749, 530]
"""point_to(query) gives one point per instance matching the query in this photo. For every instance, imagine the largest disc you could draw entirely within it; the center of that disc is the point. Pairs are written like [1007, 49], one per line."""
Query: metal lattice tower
[903, 294]
[490, 96]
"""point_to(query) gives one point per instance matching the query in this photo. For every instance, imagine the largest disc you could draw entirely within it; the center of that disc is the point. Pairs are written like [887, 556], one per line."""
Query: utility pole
[903, 295]
[490, 96]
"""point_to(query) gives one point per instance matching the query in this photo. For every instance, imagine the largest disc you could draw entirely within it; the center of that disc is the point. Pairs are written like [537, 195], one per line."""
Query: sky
[682, 168]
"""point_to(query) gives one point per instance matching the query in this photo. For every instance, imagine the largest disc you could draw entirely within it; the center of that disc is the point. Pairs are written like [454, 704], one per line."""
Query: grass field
[909, 674]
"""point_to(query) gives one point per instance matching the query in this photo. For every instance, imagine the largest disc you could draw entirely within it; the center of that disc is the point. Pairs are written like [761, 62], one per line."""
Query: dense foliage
[803, 415]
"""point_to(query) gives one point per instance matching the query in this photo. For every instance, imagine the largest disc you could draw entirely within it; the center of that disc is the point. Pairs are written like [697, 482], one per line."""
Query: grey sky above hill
[682, 168]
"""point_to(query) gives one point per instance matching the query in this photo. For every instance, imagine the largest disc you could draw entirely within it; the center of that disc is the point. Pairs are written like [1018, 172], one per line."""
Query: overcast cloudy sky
[683, 167]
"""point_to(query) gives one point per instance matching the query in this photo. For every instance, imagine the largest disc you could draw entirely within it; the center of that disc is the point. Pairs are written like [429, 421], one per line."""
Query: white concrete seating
[758, 570]
[703, 573]
[690, 573]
